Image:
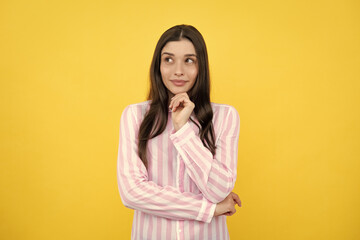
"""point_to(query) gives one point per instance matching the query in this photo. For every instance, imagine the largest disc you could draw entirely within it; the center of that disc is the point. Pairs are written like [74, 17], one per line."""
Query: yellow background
[290, 68]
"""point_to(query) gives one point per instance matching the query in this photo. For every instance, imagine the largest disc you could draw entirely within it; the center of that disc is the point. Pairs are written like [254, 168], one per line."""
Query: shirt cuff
[207, 211]
[182, 135]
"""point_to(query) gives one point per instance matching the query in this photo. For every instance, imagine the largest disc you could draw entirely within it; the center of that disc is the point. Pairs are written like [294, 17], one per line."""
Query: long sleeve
[214, 175]
[137, 192]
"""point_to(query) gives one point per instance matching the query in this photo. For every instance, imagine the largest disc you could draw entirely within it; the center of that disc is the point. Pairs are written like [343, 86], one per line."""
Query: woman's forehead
[182, 47]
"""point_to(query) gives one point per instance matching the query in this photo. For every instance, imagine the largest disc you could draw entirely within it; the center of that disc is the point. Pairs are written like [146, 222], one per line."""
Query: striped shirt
[175, 198]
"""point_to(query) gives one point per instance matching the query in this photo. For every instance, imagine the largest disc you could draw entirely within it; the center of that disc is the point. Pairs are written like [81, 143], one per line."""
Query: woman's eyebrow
[168, 53]
[187, 55]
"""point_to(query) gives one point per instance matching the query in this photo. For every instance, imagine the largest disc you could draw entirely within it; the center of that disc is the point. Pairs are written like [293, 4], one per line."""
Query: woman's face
[179, 66]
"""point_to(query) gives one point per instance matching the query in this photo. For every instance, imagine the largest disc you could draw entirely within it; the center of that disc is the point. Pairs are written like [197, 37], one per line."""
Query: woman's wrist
[178, 126]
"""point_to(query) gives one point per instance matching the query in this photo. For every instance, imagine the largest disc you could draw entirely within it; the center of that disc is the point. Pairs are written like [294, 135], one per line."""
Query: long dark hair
[155, 119]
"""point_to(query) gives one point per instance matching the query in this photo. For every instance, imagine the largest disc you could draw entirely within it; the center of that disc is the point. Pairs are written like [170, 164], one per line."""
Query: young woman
[177, 153]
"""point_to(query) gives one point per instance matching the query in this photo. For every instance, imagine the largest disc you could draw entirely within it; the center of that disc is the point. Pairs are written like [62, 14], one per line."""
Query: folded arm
[214, 175]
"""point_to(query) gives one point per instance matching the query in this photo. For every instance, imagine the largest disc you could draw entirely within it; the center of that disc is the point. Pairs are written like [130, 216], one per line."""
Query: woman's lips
[178, 83]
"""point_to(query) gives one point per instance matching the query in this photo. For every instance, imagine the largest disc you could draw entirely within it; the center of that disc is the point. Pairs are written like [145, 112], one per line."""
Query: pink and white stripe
[176, 197]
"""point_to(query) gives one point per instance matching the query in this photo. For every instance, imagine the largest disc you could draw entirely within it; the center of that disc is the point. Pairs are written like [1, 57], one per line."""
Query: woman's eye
[189, 60]
[168, 60]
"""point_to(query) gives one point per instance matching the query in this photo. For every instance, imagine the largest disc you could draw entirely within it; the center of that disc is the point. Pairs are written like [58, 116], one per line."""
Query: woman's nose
[179, 69]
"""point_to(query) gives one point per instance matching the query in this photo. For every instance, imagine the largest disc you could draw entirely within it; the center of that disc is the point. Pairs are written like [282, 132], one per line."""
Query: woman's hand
[227, 206]
[181, 108]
